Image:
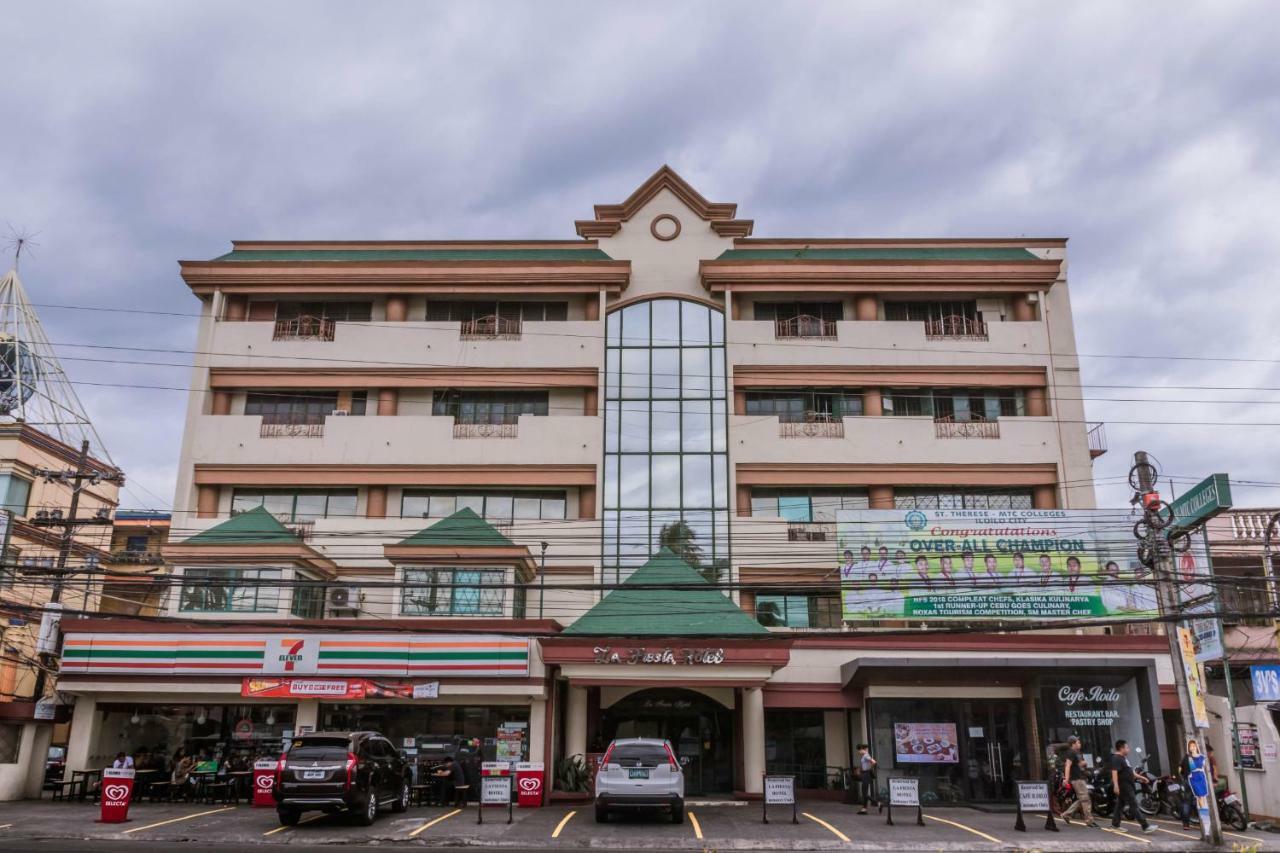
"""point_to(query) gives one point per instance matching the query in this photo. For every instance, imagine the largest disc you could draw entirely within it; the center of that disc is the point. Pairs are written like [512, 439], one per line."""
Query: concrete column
[1044, 497]
[866, 307]
[752, 739]
[388, 402]
[880, 497]
[308, 714]
[587, 502]
[1023, 309]
[344, 399]
[376, 504]
[744, 501]
[836, 737]
[575, 723]
[206, 501]
[739, 402]
[747, 601]
[1037, 403]
[84, 720]
[734, 305]
[41, 737]
[872, 402]
[237, 308]
[397, 309]
[592, 307]
[221, 402]
[591, 402]
[538, 734]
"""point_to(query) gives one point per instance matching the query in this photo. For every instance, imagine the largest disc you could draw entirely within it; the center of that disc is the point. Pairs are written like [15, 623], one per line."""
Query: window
[230, 590]
[925, 311]
[798, 611]
[359, 312]
[292, 506]
[493, 505]
[806, 505]
[282, 408]
[308, 599]
[446, 311]
[961, 404]
[801, 405]
[137, 544]
[359, 402]
[488, 407]
[791, 310]
[795, 743]
[16, 492]
[453, 592]
[935, 498]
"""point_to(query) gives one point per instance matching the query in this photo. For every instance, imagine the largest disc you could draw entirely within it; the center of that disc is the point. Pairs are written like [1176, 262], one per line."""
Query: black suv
[335, 771]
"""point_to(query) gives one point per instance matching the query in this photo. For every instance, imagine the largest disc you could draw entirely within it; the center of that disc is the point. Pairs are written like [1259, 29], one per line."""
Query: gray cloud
[140, 133]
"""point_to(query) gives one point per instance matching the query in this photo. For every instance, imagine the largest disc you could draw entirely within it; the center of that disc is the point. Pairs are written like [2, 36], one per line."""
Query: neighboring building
[134, 582]
[418, 418]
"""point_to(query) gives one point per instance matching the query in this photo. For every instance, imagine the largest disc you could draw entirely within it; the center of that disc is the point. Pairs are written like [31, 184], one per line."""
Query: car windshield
[638, 755]
[314, 749]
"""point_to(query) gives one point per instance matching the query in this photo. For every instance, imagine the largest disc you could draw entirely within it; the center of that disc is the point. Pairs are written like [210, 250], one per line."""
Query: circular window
[665, 227]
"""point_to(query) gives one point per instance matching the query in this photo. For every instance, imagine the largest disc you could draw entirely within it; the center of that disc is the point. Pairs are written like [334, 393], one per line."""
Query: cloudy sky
[136, 134]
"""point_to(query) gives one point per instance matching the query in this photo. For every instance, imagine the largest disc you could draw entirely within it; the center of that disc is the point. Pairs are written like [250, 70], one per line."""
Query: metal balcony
[508, 429]
[276, 426]
[1097, 441]
[305, 328]
[948, 427]
[814, 425]
[804, 326]
[956, 328]
[491, 327]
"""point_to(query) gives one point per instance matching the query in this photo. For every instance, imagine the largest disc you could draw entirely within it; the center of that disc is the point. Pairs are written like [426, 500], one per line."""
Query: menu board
[925, 743]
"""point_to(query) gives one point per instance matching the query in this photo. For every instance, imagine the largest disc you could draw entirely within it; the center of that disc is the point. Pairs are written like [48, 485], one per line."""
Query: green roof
[255, 527]
[930, 253]
[584, 254]
[648, 605]
[463, 528]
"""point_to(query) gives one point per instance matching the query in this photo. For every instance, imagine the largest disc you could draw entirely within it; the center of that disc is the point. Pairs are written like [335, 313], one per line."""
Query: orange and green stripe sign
[439, 655]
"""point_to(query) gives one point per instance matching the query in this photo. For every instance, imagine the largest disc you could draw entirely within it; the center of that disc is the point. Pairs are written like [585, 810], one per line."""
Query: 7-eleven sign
[291, 655]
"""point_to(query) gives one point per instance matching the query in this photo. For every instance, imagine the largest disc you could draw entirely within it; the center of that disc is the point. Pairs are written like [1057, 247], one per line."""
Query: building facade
[495, 447]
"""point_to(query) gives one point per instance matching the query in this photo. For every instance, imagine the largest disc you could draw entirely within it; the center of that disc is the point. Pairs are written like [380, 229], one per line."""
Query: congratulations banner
[990, 564]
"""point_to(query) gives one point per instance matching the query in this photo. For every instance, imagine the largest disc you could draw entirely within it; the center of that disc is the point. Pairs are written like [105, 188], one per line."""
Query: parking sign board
[1033, 796]
[780, 790]
[904, 791]
[495, 790]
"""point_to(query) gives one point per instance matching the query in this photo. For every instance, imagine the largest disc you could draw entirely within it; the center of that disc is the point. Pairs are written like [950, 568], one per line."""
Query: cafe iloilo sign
[290, 654]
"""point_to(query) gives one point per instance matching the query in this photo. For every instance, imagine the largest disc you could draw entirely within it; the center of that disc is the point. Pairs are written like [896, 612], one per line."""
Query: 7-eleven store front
[232, 694]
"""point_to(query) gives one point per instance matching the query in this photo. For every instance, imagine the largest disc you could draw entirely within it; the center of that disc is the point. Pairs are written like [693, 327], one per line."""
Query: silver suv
[640, 773]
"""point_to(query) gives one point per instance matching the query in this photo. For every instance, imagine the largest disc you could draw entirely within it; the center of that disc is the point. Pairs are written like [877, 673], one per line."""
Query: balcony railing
[804, 326]
[810, 531]
[506, 429]
[956, 328]
[301, 529]
[814, 425]
[1251, 526]
[136, 558]
[948, 427]
[490, 328]
[305, 328]
[291, 426]
[1097, 440]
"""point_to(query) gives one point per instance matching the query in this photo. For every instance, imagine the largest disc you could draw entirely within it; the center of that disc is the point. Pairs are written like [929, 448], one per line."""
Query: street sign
[904, 791]
[781, 791]
[1201, 502]
[494, 791]
[1266, 683]
[1034, 797]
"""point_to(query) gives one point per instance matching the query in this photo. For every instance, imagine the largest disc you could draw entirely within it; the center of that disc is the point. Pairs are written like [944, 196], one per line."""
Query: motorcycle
[1148, 798]
[1230, 811]
[1169, 793]
[1104, 797]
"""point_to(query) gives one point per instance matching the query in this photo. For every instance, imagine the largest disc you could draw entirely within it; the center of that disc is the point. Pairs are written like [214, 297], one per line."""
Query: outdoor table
[142, 781]
[243, 781]
[83, 777]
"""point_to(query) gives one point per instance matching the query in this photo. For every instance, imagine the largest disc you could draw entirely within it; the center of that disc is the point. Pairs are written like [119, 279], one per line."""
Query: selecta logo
[115, 794]
[916, 520]
[530, 784]
[293, 653]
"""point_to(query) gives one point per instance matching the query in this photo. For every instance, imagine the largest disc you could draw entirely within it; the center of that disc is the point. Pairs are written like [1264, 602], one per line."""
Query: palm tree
[683, 542]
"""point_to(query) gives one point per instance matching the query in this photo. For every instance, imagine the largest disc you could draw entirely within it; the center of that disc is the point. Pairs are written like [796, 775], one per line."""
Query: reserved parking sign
[904, 792]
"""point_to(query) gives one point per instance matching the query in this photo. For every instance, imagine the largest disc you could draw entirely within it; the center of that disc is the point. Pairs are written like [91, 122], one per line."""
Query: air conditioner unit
[340, 412]
[344, 598]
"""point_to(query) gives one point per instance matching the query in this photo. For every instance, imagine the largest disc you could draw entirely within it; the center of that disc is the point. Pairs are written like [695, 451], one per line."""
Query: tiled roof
[255, 527]
[463, 528]
[308, 254]
[925, 253]
[646, 605]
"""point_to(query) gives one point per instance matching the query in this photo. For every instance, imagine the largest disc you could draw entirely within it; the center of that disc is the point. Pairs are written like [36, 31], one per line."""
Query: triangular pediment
[609, 217]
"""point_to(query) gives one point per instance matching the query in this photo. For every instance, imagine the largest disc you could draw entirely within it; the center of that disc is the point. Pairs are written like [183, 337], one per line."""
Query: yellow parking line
[179, 819]
[560, 826]
[1224, 832]
[976, 832]
[697, 827]
[432, 823]
[5, 825]
[1126, 834]
[820, 821]
[1181, 834]
[300, 823]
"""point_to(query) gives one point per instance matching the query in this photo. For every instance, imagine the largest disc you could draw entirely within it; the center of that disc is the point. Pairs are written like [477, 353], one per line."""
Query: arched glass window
[666, 476]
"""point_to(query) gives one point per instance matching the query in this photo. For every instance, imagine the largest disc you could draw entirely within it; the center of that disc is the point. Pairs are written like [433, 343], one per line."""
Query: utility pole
[82, 476]
[1159, 551]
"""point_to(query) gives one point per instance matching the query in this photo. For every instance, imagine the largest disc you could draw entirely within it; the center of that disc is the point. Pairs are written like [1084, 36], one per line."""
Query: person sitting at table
[183, 765]
[122, 762]
[456, 787]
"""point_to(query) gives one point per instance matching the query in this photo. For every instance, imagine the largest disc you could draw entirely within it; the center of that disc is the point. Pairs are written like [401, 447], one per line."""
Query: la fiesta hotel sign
[666, 655]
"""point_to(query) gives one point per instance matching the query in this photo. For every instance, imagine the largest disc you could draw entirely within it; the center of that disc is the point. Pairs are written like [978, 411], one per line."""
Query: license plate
[1175, 787]
[1231, 800]
[313, 774]
[638, 773]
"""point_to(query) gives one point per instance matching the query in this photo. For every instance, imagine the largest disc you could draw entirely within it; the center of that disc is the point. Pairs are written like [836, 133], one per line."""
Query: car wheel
[602, 814]
[677, 812]
[402, 802]
[288, 817]
[366, 815]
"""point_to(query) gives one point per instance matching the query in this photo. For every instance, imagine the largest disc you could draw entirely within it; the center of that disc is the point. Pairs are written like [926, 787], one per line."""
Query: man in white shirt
[122, 761]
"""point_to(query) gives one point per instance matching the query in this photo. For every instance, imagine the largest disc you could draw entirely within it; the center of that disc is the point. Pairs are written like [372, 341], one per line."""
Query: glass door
[994, 750]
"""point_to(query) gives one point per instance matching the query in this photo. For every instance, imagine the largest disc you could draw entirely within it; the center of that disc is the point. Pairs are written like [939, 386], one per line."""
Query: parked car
[359, 772]
[640, 773]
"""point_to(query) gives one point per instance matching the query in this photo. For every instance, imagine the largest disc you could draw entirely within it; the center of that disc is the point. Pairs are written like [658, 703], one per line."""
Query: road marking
[432, 823]
[300, 823]
[179, 819]
[1224, 832]
[976, 832]
[1126, 834]
[560, 826]
[697, 827]
[5, 825]
[818, 820]
[1182, 834]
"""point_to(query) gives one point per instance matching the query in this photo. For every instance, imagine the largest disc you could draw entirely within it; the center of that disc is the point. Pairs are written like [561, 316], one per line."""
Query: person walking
[1122, 779]
[1075, 775]
[867, 777]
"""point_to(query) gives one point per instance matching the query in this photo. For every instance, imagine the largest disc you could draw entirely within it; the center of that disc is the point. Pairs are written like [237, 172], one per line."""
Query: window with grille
[446, 311]
[497, 506]
[297, 505]
[935, 498]
[488, 407]
[279, 408]
[339, 311]
[227, 590]
[453, 592]
[806, 404]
